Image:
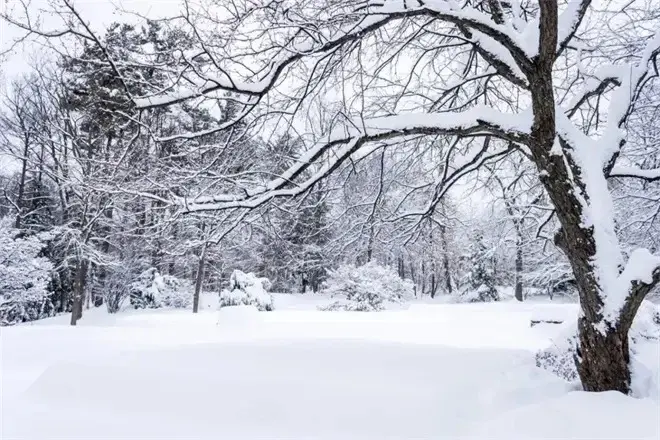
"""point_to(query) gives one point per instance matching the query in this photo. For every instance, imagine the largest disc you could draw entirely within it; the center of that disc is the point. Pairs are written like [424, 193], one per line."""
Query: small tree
[479, 280]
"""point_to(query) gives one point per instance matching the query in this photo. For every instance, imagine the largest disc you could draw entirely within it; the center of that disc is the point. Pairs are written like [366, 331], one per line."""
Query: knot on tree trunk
[560, 239]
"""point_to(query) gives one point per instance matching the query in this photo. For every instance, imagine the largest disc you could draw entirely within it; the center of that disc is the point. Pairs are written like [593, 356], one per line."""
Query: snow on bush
[246, 289]
[644, 334]
[24, 277]
[366, 288]
[153, 290]
[482, 293]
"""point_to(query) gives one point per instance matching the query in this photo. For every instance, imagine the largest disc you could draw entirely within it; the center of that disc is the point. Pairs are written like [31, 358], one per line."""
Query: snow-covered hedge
[246, 289]
[365, 288]
[644, 337]
[24, 277]
[153, 290]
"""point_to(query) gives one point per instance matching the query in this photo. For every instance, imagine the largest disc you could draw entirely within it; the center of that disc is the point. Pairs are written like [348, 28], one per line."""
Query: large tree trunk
[519, 265]
[445, 260]
[79, 291]
[370, 244]
[433, 283]
[603, 355]
[21, 184]
[200, 279]
[603, 362]
[423, 278]
[603, 349]
[102, 270]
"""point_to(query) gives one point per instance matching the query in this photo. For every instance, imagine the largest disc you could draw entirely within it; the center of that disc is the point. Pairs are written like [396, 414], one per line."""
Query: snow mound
[238, 317]
[554, 313]
[577, 415]
[434, 372]
[272, 389]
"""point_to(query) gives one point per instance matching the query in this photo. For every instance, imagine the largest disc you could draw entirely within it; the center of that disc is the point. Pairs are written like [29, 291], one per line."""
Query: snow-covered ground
[428, 371]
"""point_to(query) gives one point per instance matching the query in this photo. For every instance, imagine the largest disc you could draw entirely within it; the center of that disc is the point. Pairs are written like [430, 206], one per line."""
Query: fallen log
[534, 322]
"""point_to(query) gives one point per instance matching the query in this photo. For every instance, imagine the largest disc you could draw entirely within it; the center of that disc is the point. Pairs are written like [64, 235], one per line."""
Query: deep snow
[430, 371]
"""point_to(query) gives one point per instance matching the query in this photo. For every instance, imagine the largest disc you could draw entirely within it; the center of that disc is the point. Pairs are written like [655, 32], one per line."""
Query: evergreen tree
[479, 280]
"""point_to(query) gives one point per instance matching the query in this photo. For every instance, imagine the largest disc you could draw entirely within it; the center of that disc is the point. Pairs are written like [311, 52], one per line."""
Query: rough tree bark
[21, 183]
[199, 279]
[79, 291]
[519, 270]
[518, 228]
[445, 260]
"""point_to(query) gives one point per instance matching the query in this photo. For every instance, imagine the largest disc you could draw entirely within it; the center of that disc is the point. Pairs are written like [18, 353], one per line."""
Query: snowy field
[427, 371]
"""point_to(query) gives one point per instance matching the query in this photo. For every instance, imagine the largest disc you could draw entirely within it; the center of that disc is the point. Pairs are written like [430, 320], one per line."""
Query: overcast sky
[98, 13]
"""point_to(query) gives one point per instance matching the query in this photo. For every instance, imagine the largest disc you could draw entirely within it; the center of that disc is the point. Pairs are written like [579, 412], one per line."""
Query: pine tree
[479, 280]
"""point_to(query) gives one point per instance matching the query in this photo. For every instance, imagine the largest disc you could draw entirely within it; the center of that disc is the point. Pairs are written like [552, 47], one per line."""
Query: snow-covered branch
[640, 275]
[503, 42]
[569, 22]
[261, 86]
[349, 139]
[650, 175]
[509, 51]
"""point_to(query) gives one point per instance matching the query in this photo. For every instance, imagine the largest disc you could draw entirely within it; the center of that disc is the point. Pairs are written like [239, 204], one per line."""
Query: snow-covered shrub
[153, 290]
[112, 285]
[365, 288]
[246, 289]
[24, 277]
[483, 293]
[559, 358]
[115, 289]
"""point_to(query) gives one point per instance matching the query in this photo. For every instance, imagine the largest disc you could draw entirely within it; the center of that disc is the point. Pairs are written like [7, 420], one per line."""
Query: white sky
[98, 13]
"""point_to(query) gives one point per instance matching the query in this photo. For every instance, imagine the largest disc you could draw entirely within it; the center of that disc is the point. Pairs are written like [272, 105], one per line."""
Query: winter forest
[415, 189]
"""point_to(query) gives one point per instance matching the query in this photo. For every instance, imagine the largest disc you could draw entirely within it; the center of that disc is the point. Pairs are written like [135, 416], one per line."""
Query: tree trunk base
[603, 360]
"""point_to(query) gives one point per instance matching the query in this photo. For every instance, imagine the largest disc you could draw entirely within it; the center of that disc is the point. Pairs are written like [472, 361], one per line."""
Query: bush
[24, 277]
[153, 290]
[246, 289]
[365, 288]
[483, 293]
[559, 358]
[114, 288]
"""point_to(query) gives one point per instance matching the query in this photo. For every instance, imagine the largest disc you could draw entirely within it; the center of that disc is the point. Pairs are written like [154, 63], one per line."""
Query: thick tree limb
[346, 140]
